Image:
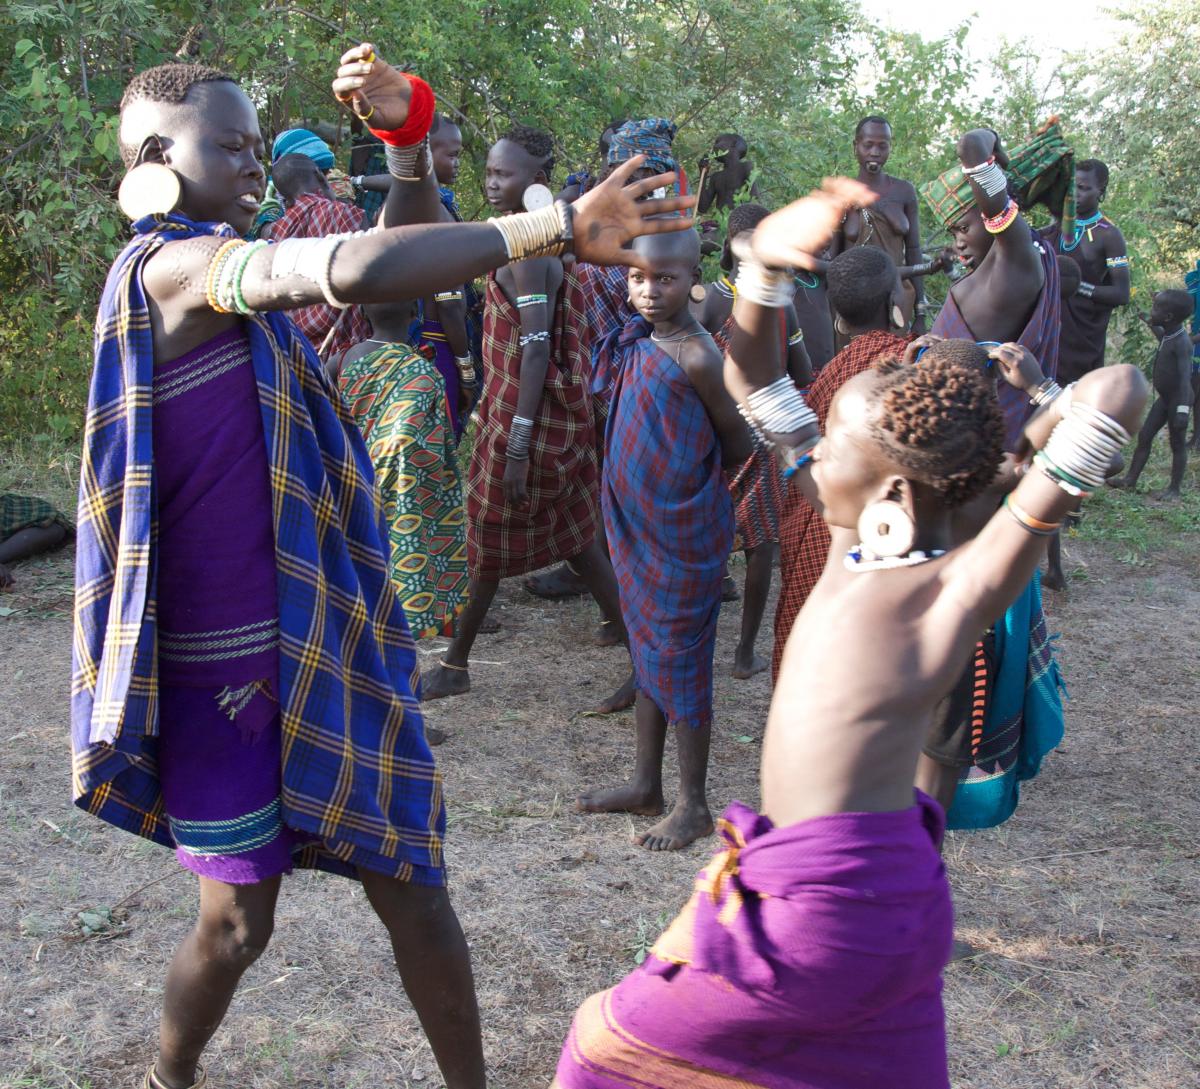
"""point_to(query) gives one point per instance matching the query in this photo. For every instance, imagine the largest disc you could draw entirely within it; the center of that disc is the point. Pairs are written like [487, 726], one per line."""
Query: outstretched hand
[608, 217]
[373, 89]
[791, 237]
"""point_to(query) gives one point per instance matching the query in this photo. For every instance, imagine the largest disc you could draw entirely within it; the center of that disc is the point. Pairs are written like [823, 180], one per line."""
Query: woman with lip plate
[891, 223]
[243, 685]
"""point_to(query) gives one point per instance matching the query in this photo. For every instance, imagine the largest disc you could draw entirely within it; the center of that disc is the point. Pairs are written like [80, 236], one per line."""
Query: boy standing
[1173, 385]
[672, 429]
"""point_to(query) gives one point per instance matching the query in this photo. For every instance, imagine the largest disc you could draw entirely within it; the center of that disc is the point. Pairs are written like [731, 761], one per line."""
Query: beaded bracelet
[1028, 522]
[796, 338]
[214, 269]
[448, 296]
[1000, 222]
[533, 338]
[238, 270]
[530, 300]
[1068, 483]
[1085, 289]
[466, 369]
[1121, 261]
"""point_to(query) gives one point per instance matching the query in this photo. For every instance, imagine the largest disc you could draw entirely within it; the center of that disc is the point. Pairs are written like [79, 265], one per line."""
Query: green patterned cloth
[1042, 171]
[18, 512]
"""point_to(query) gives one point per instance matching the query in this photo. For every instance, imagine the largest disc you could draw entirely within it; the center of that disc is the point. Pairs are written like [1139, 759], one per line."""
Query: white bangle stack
[1045, 393]
[779, 408]
[535, 234]
[520, 434]
[403, 162]
[774, 287]
[988, 176]
[1084, 444]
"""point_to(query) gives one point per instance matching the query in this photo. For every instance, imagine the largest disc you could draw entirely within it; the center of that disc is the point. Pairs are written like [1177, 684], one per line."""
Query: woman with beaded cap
[243, 674]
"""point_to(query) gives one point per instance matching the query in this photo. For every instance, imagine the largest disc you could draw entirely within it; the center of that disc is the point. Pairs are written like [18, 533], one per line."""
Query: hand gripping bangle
[1045, 393]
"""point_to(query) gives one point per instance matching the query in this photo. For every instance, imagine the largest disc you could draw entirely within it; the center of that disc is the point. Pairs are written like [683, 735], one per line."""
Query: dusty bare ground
[1084, 904]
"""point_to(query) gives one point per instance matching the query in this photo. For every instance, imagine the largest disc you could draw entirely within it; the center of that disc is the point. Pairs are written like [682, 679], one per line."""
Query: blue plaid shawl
[357, 772]
[1024, 717]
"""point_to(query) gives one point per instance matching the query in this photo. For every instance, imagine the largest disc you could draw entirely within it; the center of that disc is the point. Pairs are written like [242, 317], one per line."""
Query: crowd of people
[272, 511]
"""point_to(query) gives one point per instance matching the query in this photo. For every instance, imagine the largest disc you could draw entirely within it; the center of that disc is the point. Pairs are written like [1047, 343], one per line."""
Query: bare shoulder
[175, 275]
[1114, 240]
[701, 359]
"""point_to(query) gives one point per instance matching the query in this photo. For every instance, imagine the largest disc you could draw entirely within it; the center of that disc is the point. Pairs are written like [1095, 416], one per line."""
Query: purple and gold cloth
[669, 519]
[809, 957]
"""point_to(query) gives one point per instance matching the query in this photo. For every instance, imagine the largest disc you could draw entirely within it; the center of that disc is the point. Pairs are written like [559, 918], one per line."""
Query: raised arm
[986, 574]
[983, 160]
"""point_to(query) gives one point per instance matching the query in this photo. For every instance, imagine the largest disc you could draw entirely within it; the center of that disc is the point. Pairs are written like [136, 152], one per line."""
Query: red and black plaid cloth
[803, 535]
[560, 519]
[757, 485]
[314, 216]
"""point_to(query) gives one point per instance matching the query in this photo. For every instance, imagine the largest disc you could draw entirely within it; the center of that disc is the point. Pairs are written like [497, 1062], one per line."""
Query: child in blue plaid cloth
[672, 431]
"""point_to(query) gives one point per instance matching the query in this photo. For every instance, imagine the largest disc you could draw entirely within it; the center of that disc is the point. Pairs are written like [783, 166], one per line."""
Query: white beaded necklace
[855, 559]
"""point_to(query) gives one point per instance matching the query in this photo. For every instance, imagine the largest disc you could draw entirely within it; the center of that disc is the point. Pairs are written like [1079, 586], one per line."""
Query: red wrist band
[420, 116]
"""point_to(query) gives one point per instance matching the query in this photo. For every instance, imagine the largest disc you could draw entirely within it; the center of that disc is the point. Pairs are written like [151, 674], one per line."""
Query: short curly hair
[963, 353]
[538, 142]
[941, 422]
[860, 281]
[167, 83]
[744, 217]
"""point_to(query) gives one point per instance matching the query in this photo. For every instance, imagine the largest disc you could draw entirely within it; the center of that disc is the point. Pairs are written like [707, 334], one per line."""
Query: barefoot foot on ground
[630, 798]
[621, 700]
[442, 680]
[607, 634]
[685, 825]
[1054, 579]
[1167, 495]
[556, 584]
[746, 666]
[729, 589]
[434, 736]
[489, 625]
[1120, 482]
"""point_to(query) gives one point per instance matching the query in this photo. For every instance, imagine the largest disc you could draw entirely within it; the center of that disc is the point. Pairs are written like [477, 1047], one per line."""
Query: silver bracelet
[988, 176]
[1046, 392]
[774, 287]
[533, 338]
[779, 408]
[312, 260]
[520, 435]
[402, 162]
[1085, 289]
[543, 233]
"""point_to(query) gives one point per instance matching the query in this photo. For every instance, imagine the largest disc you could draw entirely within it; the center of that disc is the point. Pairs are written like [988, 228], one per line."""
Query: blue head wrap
[302, 142]
[651, 137]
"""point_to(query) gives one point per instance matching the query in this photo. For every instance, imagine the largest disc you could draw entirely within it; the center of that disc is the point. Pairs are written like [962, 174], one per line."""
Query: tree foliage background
[791, 75]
